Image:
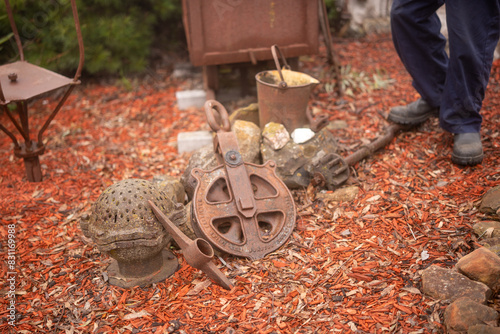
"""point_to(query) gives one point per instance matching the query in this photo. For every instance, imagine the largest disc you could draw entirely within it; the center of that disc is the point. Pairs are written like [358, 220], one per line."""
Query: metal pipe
[80, 40]
[369, 149]
[11, 135]
[2, 96]
[22, 109]
[54, 113]
[332, 170]
[331, 55]
[14, 30]
[16, 124]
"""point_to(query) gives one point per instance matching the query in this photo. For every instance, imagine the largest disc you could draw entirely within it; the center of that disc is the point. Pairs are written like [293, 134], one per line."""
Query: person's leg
[473, 28]
[421, 46]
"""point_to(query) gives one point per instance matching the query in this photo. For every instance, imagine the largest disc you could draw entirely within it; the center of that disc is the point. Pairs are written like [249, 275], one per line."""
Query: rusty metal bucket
[283, 95]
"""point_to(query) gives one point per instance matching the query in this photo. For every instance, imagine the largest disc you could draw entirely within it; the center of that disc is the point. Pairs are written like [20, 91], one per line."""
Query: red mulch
[349, 266]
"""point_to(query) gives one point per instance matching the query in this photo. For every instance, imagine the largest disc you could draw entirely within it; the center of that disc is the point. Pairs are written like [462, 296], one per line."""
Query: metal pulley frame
[241, 208]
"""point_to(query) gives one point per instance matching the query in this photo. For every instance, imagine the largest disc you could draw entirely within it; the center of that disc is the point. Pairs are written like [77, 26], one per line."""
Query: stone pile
[294, 153]
[473, 281]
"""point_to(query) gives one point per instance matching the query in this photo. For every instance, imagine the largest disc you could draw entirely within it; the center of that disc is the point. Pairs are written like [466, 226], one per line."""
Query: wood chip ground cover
[348, 267]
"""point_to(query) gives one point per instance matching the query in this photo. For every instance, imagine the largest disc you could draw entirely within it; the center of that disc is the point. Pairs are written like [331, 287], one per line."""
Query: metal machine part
[316, 123]
[240, 208]
[332, 170]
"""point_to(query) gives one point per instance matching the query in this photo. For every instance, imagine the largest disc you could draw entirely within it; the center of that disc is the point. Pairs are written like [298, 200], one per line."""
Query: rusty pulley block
[241, 208]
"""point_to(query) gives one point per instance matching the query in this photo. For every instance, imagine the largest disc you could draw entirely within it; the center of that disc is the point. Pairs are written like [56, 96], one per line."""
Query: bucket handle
[275, 50]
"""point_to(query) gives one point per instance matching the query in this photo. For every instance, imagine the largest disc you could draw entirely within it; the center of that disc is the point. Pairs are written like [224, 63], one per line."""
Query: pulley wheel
[218, 220]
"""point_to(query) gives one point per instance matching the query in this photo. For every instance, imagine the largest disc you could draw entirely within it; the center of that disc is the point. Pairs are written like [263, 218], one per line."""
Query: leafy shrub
[337, 14]
[118, 34]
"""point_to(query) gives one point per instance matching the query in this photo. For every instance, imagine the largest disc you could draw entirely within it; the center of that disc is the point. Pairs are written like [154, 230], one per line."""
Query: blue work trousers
[455, 83]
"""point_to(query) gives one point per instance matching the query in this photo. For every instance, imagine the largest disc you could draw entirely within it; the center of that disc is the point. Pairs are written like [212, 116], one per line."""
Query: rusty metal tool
[20, 83]
[316, 123]
[241, 208]
[332, 170]
[198, 253]
[332, 57]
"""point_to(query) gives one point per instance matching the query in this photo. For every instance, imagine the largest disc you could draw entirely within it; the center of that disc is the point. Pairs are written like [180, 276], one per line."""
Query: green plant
[332, 10]
[5, 39]
[6, 36]
[359, 82]
[336, 14]
[118, 35]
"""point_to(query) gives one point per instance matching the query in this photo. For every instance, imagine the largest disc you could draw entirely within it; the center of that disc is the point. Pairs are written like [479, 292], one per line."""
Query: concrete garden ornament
[123, 225]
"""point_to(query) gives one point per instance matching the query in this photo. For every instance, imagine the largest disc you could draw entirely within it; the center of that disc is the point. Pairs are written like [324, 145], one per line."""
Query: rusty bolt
[318, 180]
[12, 77]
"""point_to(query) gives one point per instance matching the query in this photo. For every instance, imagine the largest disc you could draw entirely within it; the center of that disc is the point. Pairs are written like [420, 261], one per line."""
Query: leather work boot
[467, 149]
[412, 114]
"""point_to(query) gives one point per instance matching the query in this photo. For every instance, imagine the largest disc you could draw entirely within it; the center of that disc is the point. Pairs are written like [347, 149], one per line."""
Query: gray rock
[172, 186]
[337, 125]
[294, 161]
[493, 244]
[205, 159]
[481, 265]
[184, 70]
[446, 284]
[275, 136]
[464, 313]
[302, 135]
[487, 229]
[249, 114]
[346, 194]
[248, 136]
[186, 224]
[491, 201]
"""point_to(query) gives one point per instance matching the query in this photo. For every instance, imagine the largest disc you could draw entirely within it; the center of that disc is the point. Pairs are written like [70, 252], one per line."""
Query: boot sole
[467, 160]
[409, 121]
